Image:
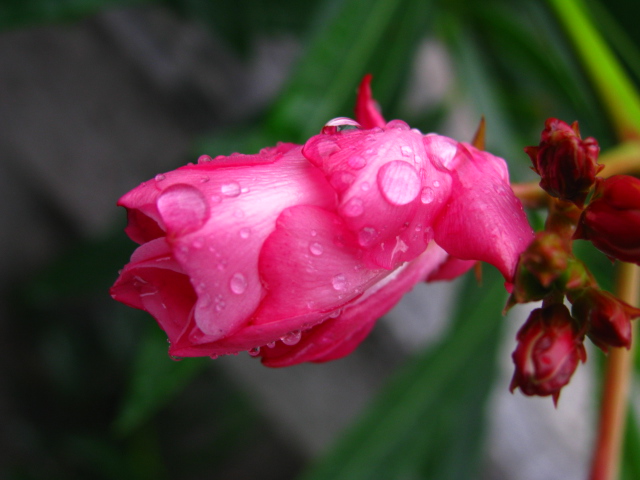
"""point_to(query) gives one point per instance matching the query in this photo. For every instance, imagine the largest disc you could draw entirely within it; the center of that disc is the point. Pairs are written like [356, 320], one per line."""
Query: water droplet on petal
[215, 198]
[204, 179]
[271, 344]
[183, 208]
[198, 243]
[245, 232]
[254, 352]
[341, 180]
[436, 183]
[238, 284]
[427, 195]
[316, 249]
[398, 124]
[214, 356]
[230, 189]
[292, 338]
[364, 186]
[219, 302]
[399, 182]
[339, 282]
[356, 162]
[406, 151]
[353, 208]
[313, 233]
[160, 177]
[367, 236]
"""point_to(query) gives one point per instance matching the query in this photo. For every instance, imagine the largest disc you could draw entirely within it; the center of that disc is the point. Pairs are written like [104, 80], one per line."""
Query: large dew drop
[183, 208]
[238, 284]
[399, 182]
[292, 338]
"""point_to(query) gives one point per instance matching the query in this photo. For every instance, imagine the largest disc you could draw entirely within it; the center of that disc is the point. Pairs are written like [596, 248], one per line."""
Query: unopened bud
[566, 164]
[608, 318]
[611, 221]
[548, 352]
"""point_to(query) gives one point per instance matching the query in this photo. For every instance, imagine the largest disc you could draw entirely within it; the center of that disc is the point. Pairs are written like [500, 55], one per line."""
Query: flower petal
[337, 337]
[367, 113]
[311, 263]
[483, 219]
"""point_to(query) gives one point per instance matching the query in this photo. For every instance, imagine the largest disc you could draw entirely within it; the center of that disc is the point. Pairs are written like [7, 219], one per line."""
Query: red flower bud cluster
[566, 164]
[550, 344]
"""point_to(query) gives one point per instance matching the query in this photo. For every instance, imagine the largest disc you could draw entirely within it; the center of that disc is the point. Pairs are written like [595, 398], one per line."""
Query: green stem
[613, 410]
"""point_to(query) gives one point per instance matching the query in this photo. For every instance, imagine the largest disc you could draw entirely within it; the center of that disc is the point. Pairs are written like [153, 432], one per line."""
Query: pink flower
[294, 252]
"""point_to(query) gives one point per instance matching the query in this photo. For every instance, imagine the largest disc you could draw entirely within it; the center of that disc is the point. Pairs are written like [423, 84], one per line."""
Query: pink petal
[450, 269]
[483, 220]
[153, 281]
[389, 192]
[311, 263]
[337, 337]
[367, 112]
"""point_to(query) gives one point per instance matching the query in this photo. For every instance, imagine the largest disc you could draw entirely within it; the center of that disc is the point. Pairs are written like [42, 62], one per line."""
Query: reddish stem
[613, 409]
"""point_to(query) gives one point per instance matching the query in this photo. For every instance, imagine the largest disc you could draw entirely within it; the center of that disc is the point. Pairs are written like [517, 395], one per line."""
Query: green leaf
[427, 423]
[155, 381]
[616, 90]
[358, 38]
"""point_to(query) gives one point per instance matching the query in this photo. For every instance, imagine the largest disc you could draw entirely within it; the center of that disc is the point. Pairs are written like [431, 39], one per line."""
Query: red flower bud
[611, 221]
[545, 265]
[566, 164]
[549, 349]
[607, 317]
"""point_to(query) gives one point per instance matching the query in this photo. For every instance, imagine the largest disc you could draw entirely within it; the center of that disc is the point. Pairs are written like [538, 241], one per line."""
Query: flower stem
[613, 410]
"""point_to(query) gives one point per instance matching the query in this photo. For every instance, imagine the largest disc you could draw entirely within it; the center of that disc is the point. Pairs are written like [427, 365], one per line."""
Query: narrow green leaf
[617, 91]
[428, 422]
[155, 380]
[332, 66]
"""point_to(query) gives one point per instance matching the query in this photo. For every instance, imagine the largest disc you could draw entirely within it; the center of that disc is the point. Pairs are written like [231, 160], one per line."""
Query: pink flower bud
[608, 318]
[548, 352]
[611, 221]
[566, 164]
[293, 253]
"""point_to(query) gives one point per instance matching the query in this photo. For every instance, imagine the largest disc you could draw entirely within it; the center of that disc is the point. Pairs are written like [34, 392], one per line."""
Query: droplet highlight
[238, 283]
[339, 282]
[398, 182]
[316, 249]
[292, 338]
[427, 196]
[354, 207]
[230, 189]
